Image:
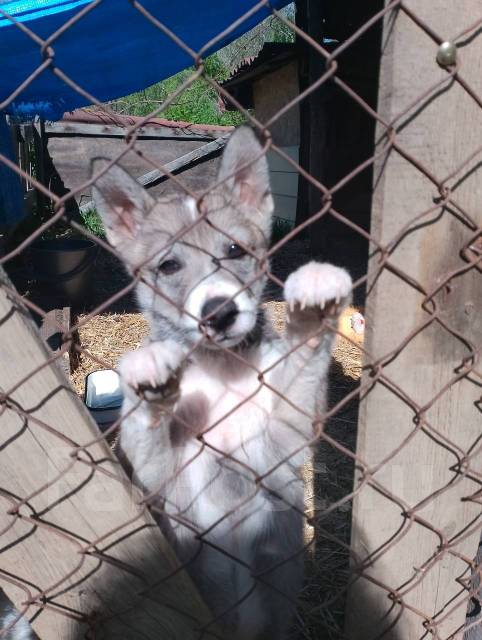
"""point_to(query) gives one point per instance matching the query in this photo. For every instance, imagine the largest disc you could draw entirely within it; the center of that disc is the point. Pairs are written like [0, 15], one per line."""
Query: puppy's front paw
[152, 365]
[318, 285]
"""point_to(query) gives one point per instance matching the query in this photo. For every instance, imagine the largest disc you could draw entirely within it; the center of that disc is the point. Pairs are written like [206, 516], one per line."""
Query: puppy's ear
[121, 202]
[246, 169]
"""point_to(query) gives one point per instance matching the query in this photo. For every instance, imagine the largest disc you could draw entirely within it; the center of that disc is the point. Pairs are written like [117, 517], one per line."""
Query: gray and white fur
[211, 423]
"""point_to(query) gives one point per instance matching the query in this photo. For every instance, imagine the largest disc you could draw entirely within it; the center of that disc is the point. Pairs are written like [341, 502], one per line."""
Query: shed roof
[272, 56]
[120, 120]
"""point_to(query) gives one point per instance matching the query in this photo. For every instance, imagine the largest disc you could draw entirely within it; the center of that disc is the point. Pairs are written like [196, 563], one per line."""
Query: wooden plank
[284, 184]
[39, 151]
[70, 128]
[82, 539]
[29, 152]
[184, 161]
[277, 163]
[285, 207]
[441, 133]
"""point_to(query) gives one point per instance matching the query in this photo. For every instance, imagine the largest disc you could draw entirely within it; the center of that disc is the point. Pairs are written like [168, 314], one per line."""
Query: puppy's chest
[229, 407]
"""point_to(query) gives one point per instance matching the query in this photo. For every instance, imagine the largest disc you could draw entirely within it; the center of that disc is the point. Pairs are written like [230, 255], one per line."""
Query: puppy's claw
[151, 365]
[316, 285]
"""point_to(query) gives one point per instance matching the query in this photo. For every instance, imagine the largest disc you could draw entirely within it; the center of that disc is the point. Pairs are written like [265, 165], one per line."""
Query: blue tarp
[111, 51]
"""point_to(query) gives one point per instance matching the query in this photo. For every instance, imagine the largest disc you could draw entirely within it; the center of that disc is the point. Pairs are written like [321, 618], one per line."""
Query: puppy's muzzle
[219, 313]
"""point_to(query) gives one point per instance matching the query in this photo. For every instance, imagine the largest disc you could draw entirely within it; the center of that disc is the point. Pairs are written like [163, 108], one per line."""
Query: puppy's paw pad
[152, 365]
[316, 284]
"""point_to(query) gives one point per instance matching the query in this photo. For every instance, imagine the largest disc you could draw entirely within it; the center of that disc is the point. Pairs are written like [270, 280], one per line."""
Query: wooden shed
[189, 150]
[265, 84]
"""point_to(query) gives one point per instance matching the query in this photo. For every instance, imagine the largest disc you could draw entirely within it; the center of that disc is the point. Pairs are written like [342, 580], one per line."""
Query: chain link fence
[392, 510]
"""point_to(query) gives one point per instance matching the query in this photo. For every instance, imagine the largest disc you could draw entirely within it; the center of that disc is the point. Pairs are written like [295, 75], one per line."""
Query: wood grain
[78, 536]
[183, 162]
[69, 128]
[393, 550]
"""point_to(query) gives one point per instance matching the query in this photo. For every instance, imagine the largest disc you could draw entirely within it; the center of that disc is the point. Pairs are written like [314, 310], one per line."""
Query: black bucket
[62, 268]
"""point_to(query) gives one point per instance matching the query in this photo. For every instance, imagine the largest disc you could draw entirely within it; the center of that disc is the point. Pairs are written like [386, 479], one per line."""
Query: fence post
[39, 145]
[73, 539]
[425, 507]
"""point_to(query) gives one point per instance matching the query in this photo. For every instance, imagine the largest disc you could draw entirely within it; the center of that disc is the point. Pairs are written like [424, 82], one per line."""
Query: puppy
[228, 409]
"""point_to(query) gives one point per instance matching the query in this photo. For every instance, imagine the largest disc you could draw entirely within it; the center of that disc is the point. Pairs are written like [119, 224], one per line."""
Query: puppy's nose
[222, 313]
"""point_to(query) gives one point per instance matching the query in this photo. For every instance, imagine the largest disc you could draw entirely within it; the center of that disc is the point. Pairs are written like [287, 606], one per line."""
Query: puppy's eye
[235, 251]
[169, 266]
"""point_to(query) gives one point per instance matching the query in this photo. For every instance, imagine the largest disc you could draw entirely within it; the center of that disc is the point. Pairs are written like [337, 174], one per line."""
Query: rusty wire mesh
[464, 466]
